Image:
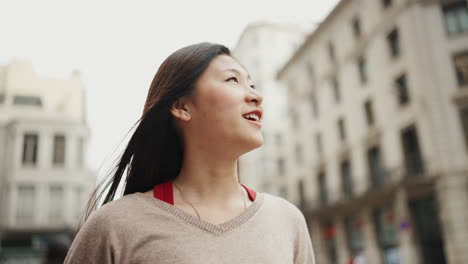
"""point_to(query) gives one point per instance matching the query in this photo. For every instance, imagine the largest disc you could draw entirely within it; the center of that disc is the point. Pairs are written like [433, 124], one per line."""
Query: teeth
[253, 116]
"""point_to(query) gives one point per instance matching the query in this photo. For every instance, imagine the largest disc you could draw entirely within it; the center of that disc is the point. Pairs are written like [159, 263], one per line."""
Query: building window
[331, 51]
[281, 169]
[329, 233]
[311, 72]
[336, 90]
[80, 153]
[353, 226]
[456, 17]
[299, 156]
[314, 104]
[387, 237]
[368, 109]
[341, 129]
[78, 202]
[346, 180]
[27, 100]
[414, 164]
[56, 204]
[362, 67]
[318, 142]
[375, 166]
[301, 190]
[59, 150]
[322, 182]
[464, 120]
[386, 3]
[393, 40]
[356, 27]
[30, 147]
[295, 119]
[310, 68]
[461, 67]
[427, 228]
[25, 204]
[402, 89]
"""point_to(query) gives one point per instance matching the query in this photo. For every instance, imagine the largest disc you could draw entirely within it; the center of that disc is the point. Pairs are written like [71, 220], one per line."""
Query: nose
[255, 96]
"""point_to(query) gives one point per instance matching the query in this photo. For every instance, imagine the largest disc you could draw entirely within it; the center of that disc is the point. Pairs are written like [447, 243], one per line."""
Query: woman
[183, 202]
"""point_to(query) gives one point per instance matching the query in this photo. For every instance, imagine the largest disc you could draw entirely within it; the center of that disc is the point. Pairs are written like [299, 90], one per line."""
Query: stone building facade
[378, 103]
[262, 49]
[44, 180]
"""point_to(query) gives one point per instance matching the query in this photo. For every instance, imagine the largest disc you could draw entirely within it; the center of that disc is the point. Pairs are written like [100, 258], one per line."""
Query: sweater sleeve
[94, 243]
[303, 251]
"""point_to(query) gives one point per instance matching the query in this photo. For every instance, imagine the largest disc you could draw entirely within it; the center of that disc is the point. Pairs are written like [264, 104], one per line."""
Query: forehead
[226, 64]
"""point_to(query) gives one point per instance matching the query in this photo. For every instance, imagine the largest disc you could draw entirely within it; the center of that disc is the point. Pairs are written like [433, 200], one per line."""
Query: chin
[249, 142]
[255, 143]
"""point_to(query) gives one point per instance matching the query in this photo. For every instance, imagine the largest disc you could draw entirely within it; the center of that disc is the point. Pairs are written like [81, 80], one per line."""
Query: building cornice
[277, 26]
[312, 36]
[362, 41]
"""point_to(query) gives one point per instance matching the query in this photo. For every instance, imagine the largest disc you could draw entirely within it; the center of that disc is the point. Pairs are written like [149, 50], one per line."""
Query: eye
[232, 78]
[252, 86]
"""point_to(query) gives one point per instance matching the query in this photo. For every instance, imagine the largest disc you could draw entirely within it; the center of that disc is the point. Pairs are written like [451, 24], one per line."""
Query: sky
[117, 46]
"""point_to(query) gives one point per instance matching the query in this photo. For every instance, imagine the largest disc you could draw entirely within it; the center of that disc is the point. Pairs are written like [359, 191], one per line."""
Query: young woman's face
[224, 94]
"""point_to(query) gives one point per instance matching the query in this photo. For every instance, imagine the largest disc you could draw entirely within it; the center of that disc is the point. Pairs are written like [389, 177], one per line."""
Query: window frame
[463, 113]
[402, 89]
[27, 100]
[392, 37]
[357, 27]
[461, 77]
[341, 129]
[22, 215]
[369, 112]
[59, 160]
[376, 171]
[354, 223]
[27, 159]
[322, 184]
[331, 51]
[387, 3]
[362, 69]
[346, 179]
[454, 10]
[56, 214]
[336, 89]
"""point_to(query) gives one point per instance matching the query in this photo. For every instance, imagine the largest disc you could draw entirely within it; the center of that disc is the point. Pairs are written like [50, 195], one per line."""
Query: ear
[180, 110]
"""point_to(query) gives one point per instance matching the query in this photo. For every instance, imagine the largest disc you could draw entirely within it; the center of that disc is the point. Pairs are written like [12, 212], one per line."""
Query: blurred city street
[365, 116]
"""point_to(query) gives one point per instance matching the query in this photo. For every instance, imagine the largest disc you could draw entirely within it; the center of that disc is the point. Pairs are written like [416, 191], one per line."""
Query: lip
[258, 112]
[255, 123]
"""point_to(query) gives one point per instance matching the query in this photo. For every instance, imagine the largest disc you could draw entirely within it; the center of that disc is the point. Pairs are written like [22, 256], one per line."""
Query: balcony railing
[406, 175]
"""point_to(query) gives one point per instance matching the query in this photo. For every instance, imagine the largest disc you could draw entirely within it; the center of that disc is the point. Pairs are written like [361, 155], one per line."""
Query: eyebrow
[238, 72]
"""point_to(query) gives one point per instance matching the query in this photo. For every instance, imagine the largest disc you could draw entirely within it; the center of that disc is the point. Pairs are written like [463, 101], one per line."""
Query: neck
[208, 178]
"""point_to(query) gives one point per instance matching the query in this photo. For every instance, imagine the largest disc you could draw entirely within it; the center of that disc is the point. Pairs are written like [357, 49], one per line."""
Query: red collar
[165, 192]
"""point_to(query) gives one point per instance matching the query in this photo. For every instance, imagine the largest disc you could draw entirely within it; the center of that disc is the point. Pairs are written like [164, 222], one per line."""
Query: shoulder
[113, 213]
[283, 207]
[99, 240]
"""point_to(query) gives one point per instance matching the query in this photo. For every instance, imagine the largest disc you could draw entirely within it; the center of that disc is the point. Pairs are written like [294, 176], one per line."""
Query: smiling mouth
[252, 117]
[255, 122]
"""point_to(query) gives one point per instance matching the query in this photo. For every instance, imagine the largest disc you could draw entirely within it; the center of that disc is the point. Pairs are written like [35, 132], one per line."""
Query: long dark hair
[154, 153]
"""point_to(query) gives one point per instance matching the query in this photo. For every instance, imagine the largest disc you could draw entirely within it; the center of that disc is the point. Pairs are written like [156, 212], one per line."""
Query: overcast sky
[118, 45]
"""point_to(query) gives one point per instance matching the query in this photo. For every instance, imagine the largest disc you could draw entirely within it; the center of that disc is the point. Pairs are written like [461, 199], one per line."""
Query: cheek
[221, 104]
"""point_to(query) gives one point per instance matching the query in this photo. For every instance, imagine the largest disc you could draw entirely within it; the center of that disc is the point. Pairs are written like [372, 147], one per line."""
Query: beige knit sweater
[142, 229]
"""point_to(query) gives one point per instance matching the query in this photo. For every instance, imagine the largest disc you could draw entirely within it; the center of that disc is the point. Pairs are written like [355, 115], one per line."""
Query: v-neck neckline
[211, 228]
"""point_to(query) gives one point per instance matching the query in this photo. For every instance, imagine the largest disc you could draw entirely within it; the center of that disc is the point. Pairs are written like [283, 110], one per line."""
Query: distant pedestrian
[360, 258]
[183, 201]
[56, 252]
